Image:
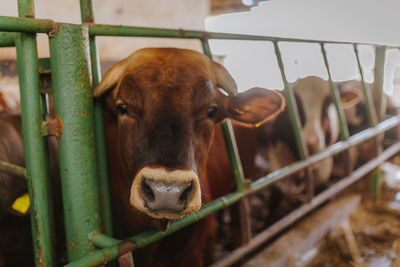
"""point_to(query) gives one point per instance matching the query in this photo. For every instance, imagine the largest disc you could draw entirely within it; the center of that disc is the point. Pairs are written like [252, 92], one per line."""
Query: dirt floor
[376, 230]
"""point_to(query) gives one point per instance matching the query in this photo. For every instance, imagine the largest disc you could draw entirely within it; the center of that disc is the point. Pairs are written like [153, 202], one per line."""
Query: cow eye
[211, 112]
[122, 109]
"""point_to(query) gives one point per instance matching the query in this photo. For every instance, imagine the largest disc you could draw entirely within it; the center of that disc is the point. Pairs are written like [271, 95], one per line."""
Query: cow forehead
[171, 58]
[178, 77]
[311, 90]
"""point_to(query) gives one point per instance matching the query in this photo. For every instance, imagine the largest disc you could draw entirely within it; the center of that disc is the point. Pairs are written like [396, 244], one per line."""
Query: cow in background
[357, 117]
[160, 109]
[319, 125]
[15, 231]
[272, 146]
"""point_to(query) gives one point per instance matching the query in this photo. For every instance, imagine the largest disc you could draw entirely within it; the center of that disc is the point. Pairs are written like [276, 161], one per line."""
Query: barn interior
[356, 222]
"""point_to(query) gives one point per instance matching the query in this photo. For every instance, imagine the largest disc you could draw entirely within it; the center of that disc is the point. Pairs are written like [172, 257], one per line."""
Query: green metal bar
[12, 169]
[301, 211]
[229, 137]
[87, 16]
[27, 25]
[380, 52]
[295, 123]
[7, 39]
[375, 184]
[291, 107]
[146, 238]
[38, 182]
[233, 153]
[344, 130]
[12, 24]
[328, 152]
[103, 241]
[206, 48]
[115, 249]
[69, 51]
[369, 104]
[114, 30]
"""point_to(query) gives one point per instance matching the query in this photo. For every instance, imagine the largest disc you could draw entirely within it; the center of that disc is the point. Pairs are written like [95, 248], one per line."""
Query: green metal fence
[74, 67]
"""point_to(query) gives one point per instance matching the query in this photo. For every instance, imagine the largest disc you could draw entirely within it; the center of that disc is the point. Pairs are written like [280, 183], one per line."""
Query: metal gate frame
[74, 70]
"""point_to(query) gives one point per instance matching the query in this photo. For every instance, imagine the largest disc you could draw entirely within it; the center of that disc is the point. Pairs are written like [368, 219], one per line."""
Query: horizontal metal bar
[271, 231]
[29, 25]
[331, 150]
[146, 238]
[103, 241]
[7, 39]
[115, 30]
[12, 169]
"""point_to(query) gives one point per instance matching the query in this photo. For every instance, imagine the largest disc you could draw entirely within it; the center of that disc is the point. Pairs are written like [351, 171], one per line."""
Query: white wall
[188, 14]
[375, 21]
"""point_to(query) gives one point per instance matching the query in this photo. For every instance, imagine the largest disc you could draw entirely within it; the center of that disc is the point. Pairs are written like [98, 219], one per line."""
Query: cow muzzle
[164, 194]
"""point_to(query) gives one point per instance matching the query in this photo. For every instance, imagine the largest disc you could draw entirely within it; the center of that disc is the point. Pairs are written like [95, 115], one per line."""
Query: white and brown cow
[319, 125]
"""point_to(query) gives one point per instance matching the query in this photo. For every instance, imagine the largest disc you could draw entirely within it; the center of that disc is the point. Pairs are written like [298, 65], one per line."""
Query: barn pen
[74, 69]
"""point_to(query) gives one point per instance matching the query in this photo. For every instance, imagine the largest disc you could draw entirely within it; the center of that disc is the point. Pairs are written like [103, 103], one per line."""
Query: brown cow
[160, 108]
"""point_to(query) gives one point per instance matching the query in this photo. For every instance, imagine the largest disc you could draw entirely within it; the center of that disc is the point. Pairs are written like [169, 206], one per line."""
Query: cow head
[165, 102]
[353, 104]
[317, 112]
[320, 123]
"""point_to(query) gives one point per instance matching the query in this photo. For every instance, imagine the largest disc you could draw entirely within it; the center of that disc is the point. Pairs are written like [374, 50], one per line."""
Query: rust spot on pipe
[39, 251]
[30, 15]
[126, 246]
[181, 33]
[54, 125]
[72, 244]
[54, 30]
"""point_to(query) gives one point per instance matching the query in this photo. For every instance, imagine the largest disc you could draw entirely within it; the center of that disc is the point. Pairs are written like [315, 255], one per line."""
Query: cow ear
[110, 79]
[350, 97]
[255, 106]
[224, 80]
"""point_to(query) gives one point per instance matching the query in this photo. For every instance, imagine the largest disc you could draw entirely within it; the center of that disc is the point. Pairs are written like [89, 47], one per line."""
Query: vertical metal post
[69, 50]
[380, 106]
[88, 17]
[242, 208]
[33, 141]
[344, 130]
[295, 122]
[380, 52]
[367, 94]
[291, 107]
[229, 137]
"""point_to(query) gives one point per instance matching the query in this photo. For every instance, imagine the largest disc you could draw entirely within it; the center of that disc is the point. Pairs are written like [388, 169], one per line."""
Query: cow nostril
[187, 193]
[148, 194]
